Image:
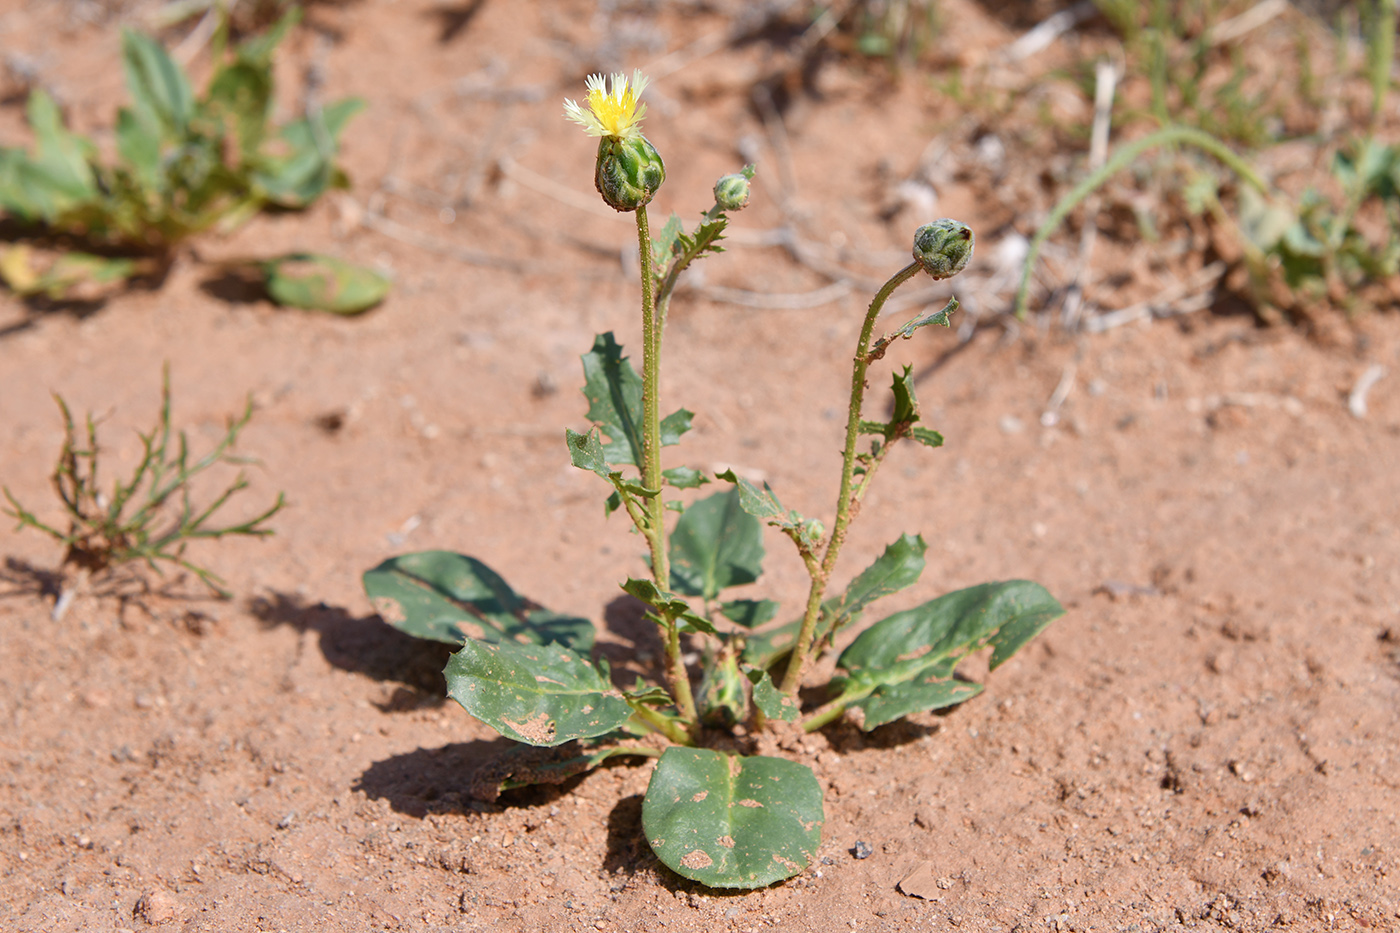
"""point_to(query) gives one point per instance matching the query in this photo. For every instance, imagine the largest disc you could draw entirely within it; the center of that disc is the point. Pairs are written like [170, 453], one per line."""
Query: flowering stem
[845, 502]
[650, 466]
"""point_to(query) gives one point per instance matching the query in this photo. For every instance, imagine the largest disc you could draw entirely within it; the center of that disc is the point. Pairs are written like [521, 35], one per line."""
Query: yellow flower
[614, 112]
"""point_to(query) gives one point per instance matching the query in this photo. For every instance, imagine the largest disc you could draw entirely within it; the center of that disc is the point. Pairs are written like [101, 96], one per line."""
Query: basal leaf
[449, 597]
[323, 283]
[715, 545]
[524, 765]
[537, 694]
[903, 659]
[160, 92]
[926, 692]
[61, 156]
[729, 821]
[750, 613]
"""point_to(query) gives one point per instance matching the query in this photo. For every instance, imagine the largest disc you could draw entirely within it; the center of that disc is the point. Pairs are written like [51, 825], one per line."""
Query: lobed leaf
[729, 821]
[771, 701]
[537, 694]
[668, 604]
[903, 662]
[449, 597]
[715, 545]
[160, 92]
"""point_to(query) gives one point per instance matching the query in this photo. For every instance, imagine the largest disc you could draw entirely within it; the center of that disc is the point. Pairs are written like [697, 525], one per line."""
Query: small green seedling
[724, 818]
[185, 164]
[149, 518]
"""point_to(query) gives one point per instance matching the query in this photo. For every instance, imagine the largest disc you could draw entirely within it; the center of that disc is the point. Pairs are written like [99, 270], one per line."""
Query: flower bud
[943, 247]
[629, 171]
[732, 192]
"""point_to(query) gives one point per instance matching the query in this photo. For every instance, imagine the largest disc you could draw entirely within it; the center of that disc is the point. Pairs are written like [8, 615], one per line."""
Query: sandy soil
[1207, 740]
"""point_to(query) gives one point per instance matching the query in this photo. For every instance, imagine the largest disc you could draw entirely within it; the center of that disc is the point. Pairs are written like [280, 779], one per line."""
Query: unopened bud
[629, 172]
[732, 192]
[943, 247]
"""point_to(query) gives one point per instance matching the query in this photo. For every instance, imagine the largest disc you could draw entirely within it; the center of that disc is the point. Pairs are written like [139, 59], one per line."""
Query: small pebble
[862, 850]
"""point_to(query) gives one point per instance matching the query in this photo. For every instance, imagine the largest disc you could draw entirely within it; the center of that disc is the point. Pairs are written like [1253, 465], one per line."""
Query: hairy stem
[801, 648]
[655, 507]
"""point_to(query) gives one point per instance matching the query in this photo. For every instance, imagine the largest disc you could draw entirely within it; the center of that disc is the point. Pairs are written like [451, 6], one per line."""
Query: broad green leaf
[160, 92]
[771, 701]
[525, 765]
[901, 660]
[715, 545]
[924, 693]
[668, 604]
[685, 477]
[61, 156]
[750, 613]
[449, 597]
[899, 566]
[729, 821]
[308, 170]
[614, 393]
[241, 93]
[138, 144]
[323, 283]
[537, 694]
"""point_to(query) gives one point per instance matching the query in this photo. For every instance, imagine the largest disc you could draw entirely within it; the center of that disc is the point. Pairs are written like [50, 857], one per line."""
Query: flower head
[612, 111]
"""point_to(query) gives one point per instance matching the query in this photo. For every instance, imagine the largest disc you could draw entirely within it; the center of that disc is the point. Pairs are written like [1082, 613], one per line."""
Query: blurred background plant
[185, 165]
[148, 519]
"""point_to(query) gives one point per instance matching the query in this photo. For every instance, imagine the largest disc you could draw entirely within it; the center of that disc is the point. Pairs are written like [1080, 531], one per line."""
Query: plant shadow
[640, 650]
[365, 645]
[24, 579]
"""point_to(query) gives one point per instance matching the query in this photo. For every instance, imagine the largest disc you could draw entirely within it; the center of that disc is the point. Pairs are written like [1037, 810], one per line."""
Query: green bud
[723, 698]
[629, 171]
[732, 192]
[943, 247]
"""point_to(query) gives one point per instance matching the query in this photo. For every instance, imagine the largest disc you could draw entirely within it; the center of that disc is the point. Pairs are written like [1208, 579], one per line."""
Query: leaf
[241, 93]
[750, 613]
[900, 659]
[729, 821]
[448, 597]
[323, 283]
[764, 505]
[899, 566]
[586, 452]
[614, 393]
[685, 477]
[715, 545]
[62, 157]
[922, 694]
[68, 272]
[138, 144]
[160, 92]
[771, 701]
[941, 318]
[663, 245]
[537, 694]
[668, 605]
[300, 177]
[524, 765]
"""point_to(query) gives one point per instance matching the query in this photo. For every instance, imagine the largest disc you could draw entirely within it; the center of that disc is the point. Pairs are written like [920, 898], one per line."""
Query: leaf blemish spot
[701, 795]
[697, 859]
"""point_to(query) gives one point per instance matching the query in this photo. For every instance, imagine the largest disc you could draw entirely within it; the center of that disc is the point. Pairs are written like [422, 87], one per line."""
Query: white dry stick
[1051, 415]
[1250, 19]
[1105, 82]
[1356, 401]
[1041, 36]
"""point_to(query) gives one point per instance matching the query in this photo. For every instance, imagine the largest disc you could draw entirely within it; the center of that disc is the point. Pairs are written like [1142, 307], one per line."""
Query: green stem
[801, 648]
[1121, 159]
[663, 724]
[655, 507]
[826, 713]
